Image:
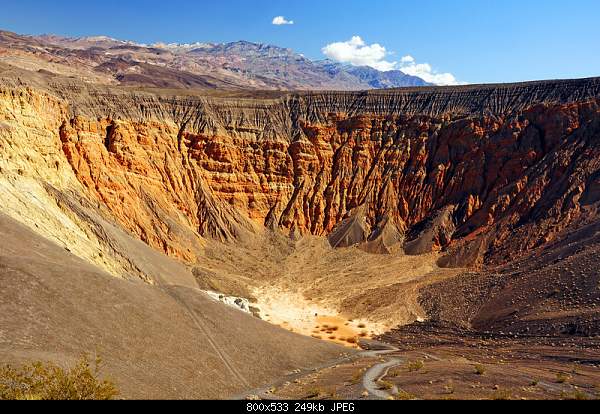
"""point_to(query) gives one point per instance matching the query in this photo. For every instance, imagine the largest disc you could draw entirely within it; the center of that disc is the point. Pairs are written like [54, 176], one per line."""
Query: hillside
[234, 66]
[387, 212]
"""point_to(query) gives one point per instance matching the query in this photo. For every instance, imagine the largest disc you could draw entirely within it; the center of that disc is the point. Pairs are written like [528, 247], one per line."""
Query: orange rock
[174, 172]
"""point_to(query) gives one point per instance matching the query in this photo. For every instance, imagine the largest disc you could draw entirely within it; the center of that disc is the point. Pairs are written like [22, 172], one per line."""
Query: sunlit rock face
[480, 172]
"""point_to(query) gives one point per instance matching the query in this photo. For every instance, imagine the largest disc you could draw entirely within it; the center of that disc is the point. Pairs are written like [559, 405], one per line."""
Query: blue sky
[473, 40]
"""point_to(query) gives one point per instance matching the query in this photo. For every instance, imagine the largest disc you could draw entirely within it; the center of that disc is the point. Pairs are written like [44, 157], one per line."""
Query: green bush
[47, 381]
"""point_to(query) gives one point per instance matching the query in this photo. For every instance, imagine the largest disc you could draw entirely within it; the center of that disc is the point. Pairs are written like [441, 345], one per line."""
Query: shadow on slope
[552, 291]
[171, 342]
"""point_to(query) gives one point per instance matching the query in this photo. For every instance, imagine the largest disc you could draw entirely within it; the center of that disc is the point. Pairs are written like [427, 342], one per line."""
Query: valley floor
[434, 363]
[527, 330]
[307, 287]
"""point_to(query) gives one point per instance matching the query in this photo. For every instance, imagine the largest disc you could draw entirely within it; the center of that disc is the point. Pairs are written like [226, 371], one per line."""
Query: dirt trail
[218, 351]
[375, 374]
[374, 349]
[171, 290]
[379, 371]
[266, 391]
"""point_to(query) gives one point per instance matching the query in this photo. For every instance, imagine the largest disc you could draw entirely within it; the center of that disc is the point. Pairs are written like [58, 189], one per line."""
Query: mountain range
[237, 65]
[173, 211]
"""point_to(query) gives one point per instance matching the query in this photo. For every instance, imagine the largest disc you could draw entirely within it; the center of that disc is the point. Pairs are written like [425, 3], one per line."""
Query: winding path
[379, 371]
[374, 349]
[375, 374]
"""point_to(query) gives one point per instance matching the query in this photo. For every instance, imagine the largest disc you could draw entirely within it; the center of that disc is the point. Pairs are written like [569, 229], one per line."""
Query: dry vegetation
[46, 381]
[357, 376]
[562, 378]
[385, 385]
[479, 369]
[321, 393]
[415, 366]
[405, 396]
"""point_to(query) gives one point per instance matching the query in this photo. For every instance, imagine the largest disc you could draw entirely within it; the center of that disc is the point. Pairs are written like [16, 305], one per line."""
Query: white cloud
[356, 52]
[424, 71]
[280, 21]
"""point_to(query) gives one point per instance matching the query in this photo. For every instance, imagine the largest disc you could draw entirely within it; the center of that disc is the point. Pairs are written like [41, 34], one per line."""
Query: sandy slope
[157, 343]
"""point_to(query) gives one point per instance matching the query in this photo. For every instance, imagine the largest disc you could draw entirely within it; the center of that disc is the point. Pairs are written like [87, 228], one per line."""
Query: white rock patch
[241, 304]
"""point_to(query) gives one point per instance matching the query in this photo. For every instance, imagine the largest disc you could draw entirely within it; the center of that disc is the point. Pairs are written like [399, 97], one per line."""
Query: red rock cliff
[478, 171]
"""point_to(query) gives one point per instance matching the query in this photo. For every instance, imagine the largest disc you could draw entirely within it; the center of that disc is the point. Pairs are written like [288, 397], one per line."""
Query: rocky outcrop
[150, 187]
[459, 169]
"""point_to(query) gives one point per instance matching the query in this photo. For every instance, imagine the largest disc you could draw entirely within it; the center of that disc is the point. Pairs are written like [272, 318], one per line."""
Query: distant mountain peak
[240, 64]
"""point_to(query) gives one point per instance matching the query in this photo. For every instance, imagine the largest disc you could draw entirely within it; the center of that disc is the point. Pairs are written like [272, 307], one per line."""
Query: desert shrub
[502, 395]
[313, 393]
[405, 396]
[415, 366]
[479, 369]
[561, 377]
[578, 395]
[319, 393]
[385, 385]
[394, 373]
[47, 381]
[357, 376]
[449, 388]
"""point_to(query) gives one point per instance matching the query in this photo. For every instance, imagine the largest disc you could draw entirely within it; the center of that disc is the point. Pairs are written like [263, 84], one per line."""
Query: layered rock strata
[462, 169]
